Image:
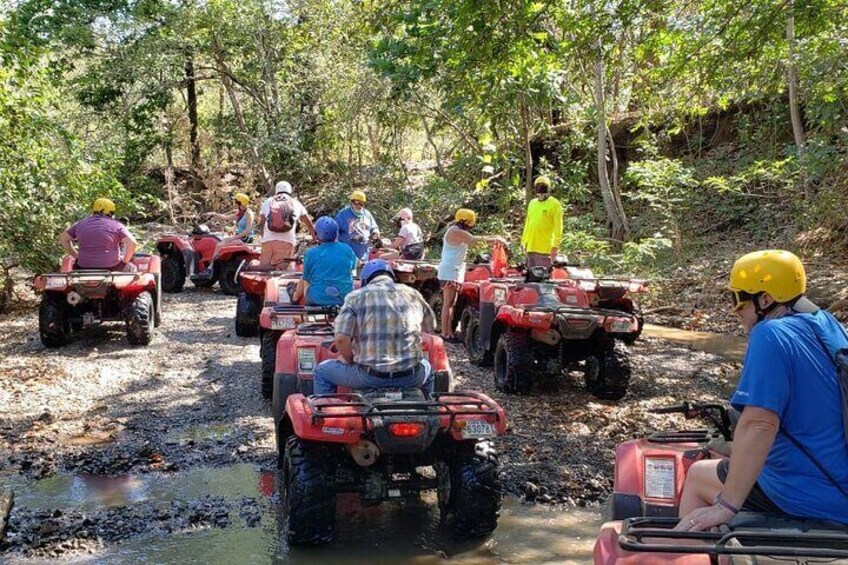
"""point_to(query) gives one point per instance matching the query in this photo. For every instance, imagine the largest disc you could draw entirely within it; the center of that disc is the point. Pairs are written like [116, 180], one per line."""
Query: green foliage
[664, 188]
[46, 182]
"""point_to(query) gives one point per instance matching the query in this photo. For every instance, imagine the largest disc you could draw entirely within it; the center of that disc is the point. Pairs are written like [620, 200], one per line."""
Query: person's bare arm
[300, 290]
[129, 244]
[307, 221]
[68, 244]
[344, 345]
[217, 216]
[752, 441]
[260, 224]
[457, 236]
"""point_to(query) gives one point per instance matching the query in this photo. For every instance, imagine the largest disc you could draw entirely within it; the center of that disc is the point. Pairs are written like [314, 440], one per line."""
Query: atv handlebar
[716, 413]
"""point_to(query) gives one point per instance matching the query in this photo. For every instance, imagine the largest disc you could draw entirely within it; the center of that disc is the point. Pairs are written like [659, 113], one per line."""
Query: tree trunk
[528, 152]
[226, 80]
[792, 79]
[438, 155]
[191, 97]
[612, 201]
[374, 140]
[169, 180]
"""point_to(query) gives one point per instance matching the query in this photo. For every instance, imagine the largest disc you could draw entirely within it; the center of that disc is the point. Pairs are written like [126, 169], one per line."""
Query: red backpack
[281, 218]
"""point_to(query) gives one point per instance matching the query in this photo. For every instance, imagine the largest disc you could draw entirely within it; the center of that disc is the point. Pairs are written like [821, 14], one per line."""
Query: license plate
[56, 282]
[477, 429]
[282, 323]
[620, 326]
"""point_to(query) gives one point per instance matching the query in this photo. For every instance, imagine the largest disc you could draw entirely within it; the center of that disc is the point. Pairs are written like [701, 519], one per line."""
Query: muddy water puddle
[94, 492]
[397, 533]
[731, 347]
[400, 532]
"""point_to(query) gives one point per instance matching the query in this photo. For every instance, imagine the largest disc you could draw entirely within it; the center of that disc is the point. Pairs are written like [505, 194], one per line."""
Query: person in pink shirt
[96, 241]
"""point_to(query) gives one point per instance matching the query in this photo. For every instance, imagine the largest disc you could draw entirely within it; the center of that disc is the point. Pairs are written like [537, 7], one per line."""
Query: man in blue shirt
[327, 269]
[790, 455]
[357, 226]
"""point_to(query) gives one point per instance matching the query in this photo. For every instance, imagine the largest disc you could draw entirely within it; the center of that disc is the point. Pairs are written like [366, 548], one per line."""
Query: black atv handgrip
[677, 408]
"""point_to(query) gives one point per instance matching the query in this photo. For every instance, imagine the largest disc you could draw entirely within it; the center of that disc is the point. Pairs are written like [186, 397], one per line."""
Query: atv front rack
[442, 405]
[778, 542]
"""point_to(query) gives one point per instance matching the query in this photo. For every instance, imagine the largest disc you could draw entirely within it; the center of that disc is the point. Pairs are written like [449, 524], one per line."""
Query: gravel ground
[191, 399]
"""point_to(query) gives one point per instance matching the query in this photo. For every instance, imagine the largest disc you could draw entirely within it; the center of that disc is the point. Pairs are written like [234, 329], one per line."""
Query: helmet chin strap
[762, 312]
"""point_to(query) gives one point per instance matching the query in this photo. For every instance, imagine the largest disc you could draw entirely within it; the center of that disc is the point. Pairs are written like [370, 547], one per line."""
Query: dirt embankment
[99, 408]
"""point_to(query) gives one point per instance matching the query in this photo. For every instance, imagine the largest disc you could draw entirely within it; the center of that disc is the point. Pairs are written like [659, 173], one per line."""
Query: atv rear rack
[360, 407]
[741, 541]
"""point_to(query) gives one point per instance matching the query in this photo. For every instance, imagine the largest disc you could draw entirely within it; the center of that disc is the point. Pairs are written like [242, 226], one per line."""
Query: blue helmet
[326, 229]
[373, 268]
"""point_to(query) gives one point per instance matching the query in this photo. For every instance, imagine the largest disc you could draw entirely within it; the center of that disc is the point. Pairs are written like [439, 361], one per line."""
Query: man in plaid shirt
[378, 335]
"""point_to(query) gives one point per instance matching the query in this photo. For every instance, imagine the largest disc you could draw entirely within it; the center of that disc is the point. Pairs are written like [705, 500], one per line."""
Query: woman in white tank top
[452, 265]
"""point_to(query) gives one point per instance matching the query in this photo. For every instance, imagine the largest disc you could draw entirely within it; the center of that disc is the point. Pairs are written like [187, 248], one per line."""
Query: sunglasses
[740, 299]
[357, 203]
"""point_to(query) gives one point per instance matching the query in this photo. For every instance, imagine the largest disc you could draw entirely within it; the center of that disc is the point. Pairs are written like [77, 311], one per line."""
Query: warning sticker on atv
[659, 478]
[475, 429]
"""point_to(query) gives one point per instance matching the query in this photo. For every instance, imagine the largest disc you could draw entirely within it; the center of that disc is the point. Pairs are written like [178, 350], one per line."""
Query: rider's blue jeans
[333, 373]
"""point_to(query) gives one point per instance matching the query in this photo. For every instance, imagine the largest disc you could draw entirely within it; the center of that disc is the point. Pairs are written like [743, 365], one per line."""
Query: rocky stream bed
[99, 427]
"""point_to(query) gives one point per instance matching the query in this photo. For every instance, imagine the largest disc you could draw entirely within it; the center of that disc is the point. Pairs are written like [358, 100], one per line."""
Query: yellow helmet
[467, 216]
[103, 205]
[358, 195]
[777, 272]
[241, 198]
[542, 179]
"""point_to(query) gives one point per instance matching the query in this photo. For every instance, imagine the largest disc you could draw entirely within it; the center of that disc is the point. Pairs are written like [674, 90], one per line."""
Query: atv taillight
[406, 429]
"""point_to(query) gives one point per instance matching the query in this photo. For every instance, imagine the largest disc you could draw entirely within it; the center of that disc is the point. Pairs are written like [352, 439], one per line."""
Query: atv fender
[487, 320]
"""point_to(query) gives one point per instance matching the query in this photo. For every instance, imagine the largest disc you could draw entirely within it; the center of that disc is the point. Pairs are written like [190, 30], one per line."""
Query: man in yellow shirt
[543, 226]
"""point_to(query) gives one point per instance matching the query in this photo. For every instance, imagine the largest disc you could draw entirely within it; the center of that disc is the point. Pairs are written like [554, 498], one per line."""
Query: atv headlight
[659, 478]
[305, 360]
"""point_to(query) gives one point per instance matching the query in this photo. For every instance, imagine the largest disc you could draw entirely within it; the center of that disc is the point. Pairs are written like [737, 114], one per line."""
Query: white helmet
[405, 214]
[283, 186]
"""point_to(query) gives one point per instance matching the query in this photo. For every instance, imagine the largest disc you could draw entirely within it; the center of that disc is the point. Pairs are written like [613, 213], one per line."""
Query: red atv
[74, 300]
[423, 277]
[261, 289]
[649, 478]
[536, 329]
[192, 256]
[277, 315]
[382, 444]
[649, 472]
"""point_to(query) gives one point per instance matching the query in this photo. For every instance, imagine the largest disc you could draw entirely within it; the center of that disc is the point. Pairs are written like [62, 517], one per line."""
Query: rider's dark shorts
[412, 252]
[757, 501]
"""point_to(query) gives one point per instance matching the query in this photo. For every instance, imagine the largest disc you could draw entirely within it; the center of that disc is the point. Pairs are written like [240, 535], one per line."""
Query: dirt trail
[190, 400]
